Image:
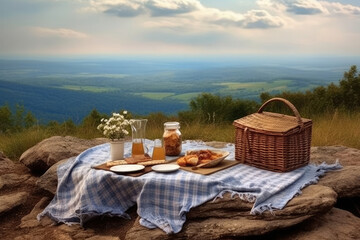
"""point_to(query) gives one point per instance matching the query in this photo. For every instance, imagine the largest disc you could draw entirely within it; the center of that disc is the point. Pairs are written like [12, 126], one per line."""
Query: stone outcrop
[311, 215]
[12, 180]
[345, 182]
[30, 220]
[6, 164]
[43, 155]
[336, 224]
[10, 201]
[49, 180]
[329, 154]
[229, 217]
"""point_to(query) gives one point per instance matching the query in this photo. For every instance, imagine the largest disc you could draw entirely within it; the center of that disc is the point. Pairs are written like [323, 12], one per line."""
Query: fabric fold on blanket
[163, 199]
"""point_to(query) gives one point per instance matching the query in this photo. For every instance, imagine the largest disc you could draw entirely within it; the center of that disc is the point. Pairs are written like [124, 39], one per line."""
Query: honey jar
[172, 138]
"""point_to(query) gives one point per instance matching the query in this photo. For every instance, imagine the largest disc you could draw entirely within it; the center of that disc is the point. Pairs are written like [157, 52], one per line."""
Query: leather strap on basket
[247, 144]
[290, 105]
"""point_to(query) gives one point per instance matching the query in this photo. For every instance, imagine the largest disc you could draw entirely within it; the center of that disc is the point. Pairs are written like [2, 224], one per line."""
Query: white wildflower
[115, 126]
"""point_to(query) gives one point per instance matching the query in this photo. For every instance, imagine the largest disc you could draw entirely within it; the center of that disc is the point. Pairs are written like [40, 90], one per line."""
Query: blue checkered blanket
[163, 199]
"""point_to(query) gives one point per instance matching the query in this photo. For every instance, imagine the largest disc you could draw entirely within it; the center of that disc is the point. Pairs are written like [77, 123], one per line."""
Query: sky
[179, 27]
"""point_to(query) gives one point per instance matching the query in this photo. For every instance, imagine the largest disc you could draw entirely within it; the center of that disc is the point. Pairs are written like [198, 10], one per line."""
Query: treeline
[15, 121]
[212, 109]
[342, 97]
[345, 96]
[209, 108]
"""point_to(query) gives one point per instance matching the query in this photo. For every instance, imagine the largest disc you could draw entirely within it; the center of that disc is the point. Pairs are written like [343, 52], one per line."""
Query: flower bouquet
[114, 128]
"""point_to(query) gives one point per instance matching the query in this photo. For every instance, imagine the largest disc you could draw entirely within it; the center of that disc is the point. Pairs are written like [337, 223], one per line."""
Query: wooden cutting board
[206, 171]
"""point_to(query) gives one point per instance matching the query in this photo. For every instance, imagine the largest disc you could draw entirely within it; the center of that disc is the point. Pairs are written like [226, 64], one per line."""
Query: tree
[19, 117]
[29, 120]
[93, 119]
[335, 96]
[326, 99]
[68, 126]
[211, 108]
[350, 88]
[5, 116]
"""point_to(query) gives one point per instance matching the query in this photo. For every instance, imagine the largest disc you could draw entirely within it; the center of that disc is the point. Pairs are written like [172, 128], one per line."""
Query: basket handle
[290, 105]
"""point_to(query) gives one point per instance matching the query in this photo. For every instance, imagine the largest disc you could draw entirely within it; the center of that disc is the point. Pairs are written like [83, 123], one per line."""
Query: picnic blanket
[163, 199]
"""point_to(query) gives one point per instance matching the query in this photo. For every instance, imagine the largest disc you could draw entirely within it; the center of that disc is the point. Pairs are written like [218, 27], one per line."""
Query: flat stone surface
[6, 164]
[337, 224]
[43, 155]
[229, 217]
[329, 154]
[10, 201]
[345, 182]
[12, 180]
[9, 166]
[97, 237]
[30, 221]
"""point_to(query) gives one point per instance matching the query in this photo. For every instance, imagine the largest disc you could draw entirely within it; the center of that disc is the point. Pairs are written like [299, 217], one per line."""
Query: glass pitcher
[138, 128]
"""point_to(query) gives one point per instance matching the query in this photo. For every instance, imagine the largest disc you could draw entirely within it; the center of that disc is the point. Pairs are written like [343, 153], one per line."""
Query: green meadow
[255, 86]
[185, 97]
[94, 89]
[155, 95]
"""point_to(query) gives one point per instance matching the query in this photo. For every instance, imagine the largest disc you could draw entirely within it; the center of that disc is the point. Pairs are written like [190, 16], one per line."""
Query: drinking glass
[159, 150]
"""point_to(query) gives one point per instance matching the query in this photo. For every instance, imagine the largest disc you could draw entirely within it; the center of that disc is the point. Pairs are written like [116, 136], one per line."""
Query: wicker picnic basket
[273, 141]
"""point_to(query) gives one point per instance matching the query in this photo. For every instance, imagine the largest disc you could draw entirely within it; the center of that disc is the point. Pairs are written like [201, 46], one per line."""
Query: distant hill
[70, 89]
[48, 103]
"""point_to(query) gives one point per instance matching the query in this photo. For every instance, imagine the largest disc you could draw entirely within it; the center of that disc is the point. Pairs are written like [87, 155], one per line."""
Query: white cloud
[132, 8]
[309, 7]
[59, 32]
[261, 19]
[177, 12]
[304, 7]
[171, 7]
[338, 8]
[275, 6]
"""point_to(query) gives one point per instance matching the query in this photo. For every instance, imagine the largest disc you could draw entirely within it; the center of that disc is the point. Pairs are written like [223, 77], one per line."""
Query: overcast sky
[179, 27]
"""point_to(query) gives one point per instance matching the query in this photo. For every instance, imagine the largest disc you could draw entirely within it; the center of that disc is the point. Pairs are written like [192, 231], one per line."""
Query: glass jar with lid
[172, 138]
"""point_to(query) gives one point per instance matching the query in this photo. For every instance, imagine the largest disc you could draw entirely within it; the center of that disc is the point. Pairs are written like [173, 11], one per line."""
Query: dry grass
[15, 144]
[331, 129]
[196, 131]
[335, 129]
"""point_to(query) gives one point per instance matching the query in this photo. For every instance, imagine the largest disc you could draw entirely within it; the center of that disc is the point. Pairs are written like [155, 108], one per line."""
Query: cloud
[309, 7]
[261, 19]
[304, 7]
[251, 19]
[171, 7]
[125, 11]
[338, 8]
[59, 32]
[156, 8]
[121, 8]
[178, 12]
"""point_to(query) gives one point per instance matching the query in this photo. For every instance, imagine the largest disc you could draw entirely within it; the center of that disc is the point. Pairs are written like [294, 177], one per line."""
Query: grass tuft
[331, 129]
[337, 129]
[15, 144]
